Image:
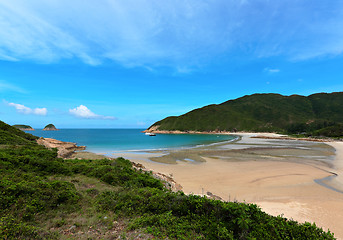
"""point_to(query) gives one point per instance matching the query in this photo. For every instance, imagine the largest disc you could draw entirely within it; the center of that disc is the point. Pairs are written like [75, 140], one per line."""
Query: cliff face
[50, 127]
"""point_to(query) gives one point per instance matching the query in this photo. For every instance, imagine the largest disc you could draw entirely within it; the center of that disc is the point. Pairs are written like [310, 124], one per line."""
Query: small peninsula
[50, 127]
[23, 127]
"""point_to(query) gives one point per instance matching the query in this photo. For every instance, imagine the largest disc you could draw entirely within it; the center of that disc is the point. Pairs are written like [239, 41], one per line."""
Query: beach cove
[301, 180]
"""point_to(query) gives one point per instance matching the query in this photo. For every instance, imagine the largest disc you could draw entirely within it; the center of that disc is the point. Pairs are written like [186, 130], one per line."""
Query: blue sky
[129, 63]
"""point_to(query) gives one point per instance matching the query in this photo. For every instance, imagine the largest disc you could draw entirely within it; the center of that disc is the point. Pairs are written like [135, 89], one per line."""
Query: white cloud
[181, 33]
[26, 110]
[83, 112]
[40, 111]
[271, 70]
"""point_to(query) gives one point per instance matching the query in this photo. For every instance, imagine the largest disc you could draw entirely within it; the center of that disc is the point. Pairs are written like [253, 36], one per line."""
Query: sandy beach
[300, 180]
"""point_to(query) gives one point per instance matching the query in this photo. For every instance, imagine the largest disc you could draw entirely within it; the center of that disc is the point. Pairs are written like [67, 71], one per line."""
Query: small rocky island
[23, 127]
[50, 127]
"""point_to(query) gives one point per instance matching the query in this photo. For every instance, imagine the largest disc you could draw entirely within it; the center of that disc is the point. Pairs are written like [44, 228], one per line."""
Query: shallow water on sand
[109, 140]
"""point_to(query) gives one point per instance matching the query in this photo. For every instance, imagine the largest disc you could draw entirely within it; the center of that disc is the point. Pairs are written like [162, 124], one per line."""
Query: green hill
[12, 135]
[263, 112]
[45, 197]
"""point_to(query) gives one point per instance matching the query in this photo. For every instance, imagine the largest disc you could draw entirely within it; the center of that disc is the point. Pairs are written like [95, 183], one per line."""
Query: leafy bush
[115, 172]
[31, 196]
[32, 158]
[179, 216]
[11, 228]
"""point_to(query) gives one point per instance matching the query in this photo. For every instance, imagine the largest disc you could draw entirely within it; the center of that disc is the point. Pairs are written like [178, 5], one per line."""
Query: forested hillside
[265, 112]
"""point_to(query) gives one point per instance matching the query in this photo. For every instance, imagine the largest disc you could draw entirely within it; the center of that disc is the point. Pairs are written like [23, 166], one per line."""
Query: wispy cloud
[5, 86]
[26, 110]
[271, 70]
[83, 112]
[174, 33]
[26, 34]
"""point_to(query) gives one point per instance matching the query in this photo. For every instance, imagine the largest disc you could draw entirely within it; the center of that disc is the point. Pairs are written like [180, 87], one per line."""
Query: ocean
[110, 140]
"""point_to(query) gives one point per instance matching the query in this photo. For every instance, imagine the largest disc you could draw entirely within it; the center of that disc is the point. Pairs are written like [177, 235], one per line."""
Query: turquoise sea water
[109, 140]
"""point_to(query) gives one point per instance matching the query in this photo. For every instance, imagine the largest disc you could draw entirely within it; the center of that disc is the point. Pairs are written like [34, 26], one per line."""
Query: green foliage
[331, 131]
[11, 135]
[312, 127]
[33, 195]
[32, 159]
[262, 112]
[9, 138]
[11, 228]
[175, 215]
[117, 172]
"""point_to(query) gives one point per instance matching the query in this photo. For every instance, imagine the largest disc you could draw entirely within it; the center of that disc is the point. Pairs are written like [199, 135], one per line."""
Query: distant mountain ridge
[262, 112]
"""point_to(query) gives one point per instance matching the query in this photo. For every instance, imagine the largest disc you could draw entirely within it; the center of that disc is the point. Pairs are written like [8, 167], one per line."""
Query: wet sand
[281, 176]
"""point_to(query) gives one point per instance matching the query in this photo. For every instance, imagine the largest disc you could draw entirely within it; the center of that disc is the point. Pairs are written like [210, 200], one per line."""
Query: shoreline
[262, 135]
[334, 182]
[285, 187]
[279, 186]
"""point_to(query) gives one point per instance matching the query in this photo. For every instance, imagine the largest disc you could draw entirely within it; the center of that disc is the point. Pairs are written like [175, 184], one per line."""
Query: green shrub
[11, 228]
[176, 215]
[7, 130]
[118, 172]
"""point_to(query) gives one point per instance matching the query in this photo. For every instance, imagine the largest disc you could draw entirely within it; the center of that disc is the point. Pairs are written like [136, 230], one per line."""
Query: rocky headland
[64, 149]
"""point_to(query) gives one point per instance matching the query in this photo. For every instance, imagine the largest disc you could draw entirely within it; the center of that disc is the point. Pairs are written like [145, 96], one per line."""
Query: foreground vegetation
[316, 115]
[44, 197]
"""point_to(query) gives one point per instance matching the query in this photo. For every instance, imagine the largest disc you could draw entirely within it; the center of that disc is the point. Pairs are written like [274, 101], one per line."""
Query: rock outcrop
[167, 180]
[64, 149]
[50, 127]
